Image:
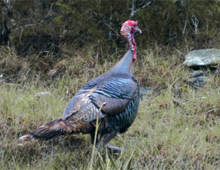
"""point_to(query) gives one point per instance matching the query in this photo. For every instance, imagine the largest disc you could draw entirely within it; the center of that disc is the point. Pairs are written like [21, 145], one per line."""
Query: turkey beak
[138, 30]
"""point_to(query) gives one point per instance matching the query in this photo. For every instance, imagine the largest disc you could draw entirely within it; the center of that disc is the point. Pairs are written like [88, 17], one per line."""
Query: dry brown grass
[177, 126]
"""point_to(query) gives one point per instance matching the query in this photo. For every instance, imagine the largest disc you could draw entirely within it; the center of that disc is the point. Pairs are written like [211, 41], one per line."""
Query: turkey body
[118, 88]
[119, 91]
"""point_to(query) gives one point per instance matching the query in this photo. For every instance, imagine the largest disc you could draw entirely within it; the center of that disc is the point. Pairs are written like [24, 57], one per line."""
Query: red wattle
[134, 56]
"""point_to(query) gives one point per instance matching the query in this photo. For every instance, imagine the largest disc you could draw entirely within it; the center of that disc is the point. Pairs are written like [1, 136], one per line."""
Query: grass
[177, 126]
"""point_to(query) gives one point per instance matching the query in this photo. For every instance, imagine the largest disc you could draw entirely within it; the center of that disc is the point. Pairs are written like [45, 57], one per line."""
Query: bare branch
[133, 11]
[42, 21]
[184, 29]
[103, 21]
[195, 22]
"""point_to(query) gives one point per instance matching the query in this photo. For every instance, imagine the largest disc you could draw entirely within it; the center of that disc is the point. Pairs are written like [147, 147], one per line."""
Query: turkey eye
[134, 25]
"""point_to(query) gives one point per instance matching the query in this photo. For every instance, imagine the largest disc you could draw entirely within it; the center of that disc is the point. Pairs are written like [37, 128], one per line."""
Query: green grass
[177, 126]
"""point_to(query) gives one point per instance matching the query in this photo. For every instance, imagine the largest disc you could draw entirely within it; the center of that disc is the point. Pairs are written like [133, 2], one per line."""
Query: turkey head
[128, 29]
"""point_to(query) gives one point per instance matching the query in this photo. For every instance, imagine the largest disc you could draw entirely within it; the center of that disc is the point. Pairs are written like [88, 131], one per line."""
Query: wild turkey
[118, 88]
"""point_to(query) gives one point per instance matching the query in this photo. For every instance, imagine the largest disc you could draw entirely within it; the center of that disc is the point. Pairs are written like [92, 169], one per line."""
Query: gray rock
[198, 81]
[144, 91]
[202, 57]
[196, 73]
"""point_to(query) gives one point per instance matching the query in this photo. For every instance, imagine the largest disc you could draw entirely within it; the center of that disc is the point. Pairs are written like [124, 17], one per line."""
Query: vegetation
[43, 66]
[177, 126]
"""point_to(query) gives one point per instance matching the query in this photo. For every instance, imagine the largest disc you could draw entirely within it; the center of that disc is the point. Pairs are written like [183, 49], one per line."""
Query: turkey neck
[124, 66]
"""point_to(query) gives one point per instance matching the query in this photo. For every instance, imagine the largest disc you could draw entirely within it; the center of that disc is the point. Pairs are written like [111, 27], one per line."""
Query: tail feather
[50, 130]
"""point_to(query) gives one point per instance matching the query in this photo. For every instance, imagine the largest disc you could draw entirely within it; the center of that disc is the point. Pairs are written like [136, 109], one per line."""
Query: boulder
[202, 57]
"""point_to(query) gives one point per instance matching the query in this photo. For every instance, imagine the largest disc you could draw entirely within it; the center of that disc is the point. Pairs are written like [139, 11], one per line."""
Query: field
[177, 126]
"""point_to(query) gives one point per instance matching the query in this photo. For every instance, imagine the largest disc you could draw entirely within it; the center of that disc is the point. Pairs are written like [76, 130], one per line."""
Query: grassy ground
[177, 126]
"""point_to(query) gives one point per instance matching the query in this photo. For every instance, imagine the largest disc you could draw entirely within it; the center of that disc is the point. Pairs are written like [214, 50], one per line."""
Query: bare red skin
[128, 28]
